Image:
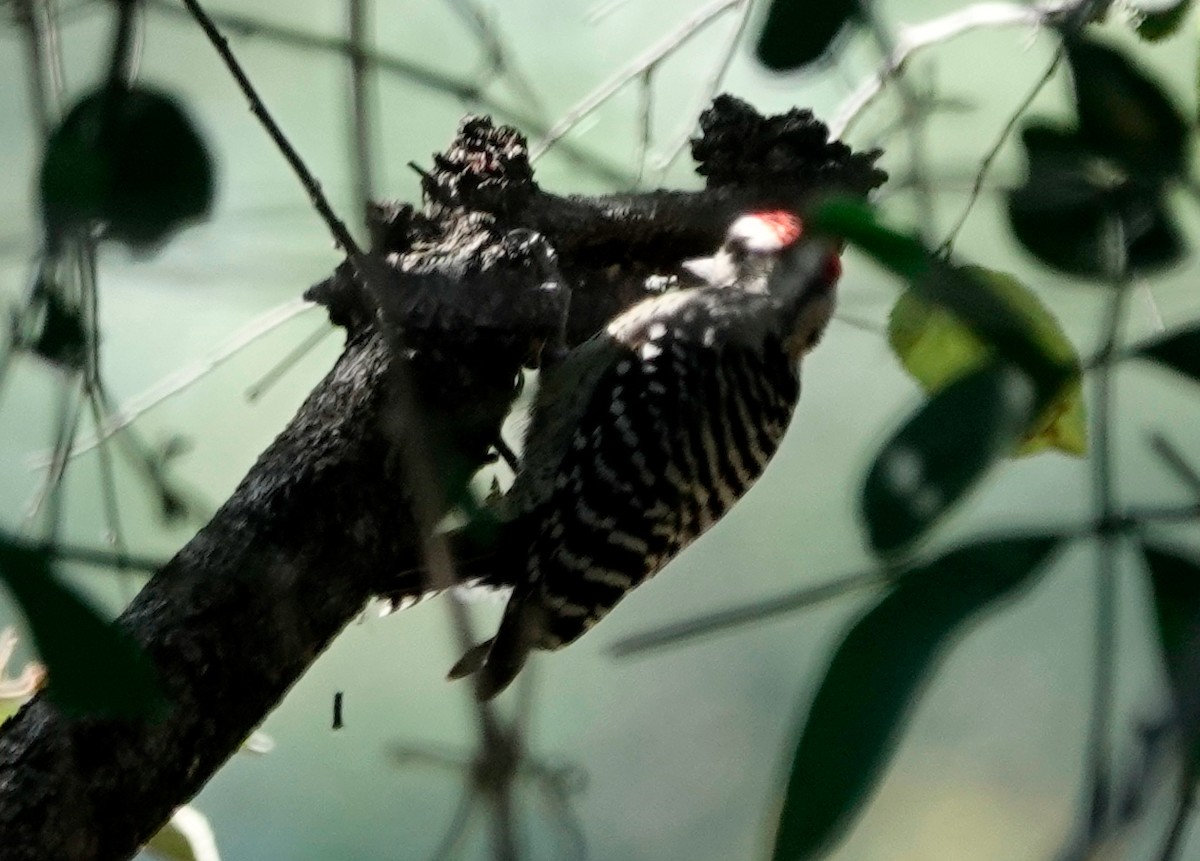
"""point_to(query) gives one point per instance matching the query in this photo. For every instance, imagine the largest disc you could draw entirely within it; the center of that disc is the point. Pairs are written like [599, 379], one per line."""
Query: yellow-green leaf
[937, 350]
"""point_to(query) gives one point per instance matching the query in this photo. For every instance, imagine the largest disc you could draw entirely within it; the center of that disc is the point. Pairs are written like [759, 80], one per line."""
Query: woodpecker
[646, 434]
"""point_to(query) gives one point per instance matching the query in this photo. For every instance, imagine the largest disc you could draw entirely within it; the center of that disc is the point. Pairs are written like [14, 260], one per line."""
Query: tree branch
[325, 518]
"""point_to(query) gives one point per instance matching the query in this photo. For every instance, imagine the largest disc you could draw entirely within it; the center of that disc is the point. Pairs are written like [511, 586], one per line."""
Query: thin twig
[1131, 519]
[311, 186]
[645, 123]
[1099, 741]
[988, 160]
[915, 117]
[912, 39]
[1176, 462]
[275, 373]
[632, 71]
[708, 90]
[498, 62]
[358, 37]
[84, 555]
[177, 381]
[1185, 803]
[751, 612]
[464, 91]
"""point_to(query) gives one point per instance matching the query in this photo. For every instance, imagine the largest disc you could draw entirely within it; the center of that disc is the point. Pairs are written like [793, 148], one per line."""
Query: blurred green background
[684, 749]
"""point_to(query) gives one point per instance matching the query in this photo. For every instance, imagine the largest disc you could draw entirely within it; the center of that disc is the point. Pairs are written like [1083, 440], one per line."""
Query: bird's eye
[738, 251]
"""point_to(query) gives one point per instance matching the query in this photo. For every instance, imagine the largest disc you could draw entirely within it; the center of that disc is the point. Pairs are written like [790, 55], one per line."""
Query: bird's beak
[714, 270]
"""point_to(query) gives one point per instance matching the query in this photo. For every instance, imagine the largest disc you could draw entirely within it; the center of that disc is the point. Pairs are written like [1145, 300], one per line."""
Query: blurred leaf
[876, 674]
[93, 667]
[129, 159]
[1124, 113]
[1161, 22]
[53, 328]
[942, 450]
[799, 32]
[936, 348]
[856, 222]
[1071, 197]
[1179, 350]
[187, 836]
[959, 290]
[1176, 583]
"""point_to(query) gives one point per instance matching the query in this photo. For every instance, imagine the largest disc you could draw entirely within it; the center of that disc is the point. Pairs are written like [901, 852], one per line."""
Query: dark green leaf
[130, 160]
[1124, 113]
[799, 32]
[856, 222]
[51, 326]
[875, 676]
[1162, 22]
[1178, 350]
[93, 667]
[1072, 198]
[1176, 583]
[942, 451]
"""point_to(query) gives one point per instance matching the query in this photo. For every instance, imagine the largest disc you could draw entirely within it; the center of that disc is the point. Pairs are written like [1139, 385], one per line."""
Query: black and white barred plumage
[650, 431]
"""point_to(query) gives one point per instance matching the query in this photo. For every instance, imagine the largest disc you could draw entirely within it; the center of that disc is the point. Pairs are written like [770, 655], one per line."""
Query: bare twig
[645, 123]
[1176, 462]
[85, 555]
[275, 373]
[755, 611]
[708, 90]
[1129, 520]
[311, 186]
[179, 380]
[632, 71]
[497, 60]
[914, 38]
[1185, 803]
[1099, 741]
[915, 115]
[465, 91]
[358, 37]
[988, 160]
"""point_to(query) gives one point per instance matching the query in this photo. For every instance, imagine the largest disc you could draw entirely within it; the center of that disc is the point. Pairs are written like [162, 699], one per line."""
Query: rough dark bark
[323, 521]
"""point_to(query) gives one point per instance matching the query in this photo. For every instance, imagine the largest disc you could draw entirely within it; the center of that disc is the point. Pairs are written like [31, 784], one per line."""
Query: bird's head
[754, 243]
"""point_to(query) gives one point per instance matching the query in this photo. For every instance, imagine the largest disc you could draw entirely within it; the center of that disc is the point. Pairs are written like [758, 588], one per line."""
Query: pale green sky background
[682, 749]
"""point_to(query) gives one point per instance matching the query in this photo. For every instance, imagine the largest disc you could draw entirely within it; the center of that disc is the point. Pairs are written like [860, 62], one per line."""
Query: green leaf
[854, 221]
[1162, 22]
[1124, 113]
[93, 667]
[1175, 580]
[799, 32]
[937, 349]
[130, 160]
[1071, 199]
[875, 676]
[1179, 350]
[942, 450]
[957, 289]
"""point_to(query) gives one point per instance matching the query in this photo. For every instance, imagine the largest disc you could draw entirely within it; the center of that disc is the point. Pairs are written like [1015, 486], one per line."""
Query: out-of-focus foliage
[92, 666]
[799, 32]
[875, 676]
[937, 349]
[127, 159]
